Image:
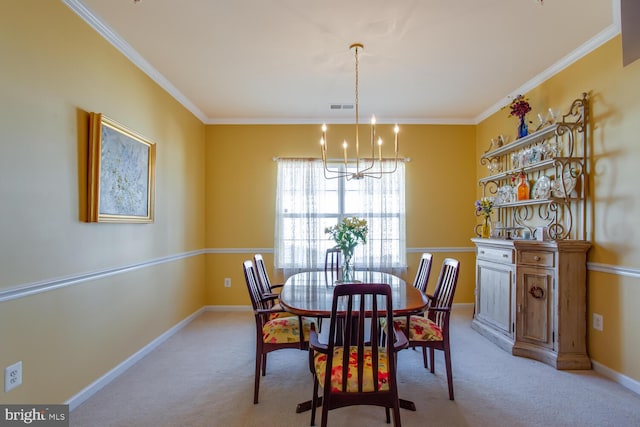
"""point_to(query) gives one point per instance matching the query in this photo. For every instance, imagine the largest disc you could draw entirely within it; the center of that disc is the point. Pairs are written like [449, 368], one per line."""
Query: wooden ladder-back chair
[419, 282]
[268, 290]
[332, 264]
[272, 332]
[364, 374]
[431, 331]
[423, 273]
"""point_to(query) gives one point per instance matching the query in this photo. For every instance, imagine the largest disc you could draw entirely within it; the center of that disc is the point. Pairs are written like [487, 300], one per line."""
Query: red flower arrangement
[520, 106]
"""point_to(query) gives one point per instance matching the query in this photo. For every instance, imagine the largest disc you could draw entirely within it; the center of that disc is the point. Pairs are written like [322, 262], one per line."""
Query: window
[307, 203]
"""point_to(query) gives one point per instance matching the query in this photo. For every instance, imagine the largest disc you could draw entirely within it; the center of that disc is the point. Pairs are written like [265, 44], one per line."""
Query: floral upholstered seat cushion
[420, 328]
[285, 330]
[320, 362]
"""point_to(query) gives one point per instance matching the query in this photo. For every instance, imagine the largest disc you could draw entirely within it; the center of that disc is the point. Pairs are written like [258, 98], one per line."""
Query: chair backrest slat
[444, 292]
[423, 273]
[252, 285]
[332, 262]
[263, 276]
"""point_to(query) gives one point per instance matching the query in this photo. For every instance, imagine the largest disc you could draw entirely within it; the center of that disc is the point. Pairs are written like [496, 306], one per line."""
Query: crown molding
[119, 43]
[125, 48]
[586, 48]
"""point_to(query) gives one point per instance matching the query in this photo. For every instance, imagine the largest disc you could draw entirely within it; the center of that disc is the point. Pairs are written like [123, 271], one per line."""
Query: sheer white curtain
[307, 203]
[300, 197]
[383, 206]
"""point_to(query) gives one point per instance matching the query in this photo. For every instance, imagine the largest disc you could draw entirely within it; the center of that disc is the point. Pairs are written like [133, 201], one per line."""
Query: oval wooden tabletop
[310, 293]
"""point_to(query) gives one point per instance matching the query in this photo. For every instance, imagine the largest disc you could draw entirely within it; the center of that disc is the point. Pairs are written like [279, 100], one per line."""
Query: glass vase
[485, 230]
[347, 267]
[523, 128]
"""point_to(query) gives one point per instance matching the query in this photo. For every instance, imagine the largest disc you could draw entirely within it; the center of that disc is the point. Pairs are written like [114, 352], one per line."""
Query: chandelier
[361, 167]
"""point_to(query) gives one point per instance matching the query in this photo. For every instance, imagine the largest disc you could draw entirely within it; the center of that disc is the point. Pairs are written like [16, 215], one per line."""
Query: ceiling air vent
[341, 106]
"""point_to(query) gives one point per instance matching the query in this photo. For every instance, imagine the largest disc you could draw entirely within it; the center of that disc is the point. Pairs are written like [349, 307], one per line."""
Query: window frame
[313, 255]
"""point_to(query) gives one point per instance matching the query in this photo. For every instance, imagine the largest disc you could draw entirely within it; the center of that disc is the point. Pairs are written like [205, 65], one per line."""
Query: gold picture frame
[121, 173]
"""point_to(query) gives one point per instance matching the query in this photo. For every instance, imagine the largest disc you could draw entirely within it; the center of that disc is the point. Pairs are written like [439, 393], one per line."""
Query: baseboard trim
[463, 304]
[97, 385]
[94, 387]
[617, 377]
[227, 308]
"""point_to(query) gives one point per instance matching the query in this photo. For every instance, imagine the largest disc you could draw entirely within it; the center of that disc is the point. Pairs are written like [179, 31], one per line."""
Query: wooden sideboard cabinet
[531, 299]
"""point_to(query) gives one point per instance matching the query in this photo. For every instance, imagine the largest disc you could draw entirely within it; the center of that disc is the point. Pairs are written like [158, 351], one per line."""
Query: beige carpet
[203, 376]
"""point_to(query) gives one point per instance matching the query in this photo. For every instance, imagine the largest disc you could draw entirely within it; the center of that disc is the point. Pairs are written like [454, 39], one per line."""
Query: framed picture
[121, 173]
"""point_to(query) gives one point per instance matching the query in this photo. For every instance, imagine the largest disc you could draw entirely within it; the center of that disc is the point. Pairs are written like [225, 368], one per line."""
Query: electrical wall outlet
[227, 282]
[598, 322]
[12, 376]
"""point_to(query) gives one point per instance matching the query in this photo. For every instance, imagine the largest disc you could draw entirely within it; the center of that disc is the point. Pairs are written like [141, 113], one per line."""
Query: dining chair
[332, 264]
[272, 333]
[263, 276]
[424, 271]
[420, 282]
[268, 290]
[431, 330]
[353, 368]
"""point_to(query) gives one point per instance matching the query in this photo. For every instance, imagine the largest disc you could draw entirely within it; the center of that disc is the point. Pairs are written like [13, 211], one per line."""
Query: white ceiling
[287, 61]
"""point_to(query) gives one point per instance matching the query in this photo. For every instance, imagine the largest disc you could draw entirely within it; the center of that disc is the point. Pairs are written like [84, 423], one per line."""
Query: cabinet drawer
[496, 254]
[537, 258]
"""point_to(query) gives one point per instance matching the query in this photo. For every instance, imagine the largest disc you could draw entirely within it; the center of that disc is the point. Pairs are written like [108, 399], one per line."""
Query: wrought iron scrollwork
[558, 150]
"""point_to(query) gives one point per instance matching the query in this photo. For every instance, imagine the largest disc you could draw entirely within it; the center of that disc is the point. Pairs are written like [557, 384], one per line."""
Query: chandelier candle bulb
[344, 145]
[373, 132]
[396, 130]
[323, 141]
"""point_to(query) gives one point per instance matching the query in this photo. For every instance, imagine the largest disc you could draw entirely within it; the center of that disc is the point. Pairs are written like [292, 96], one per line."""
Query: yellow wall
[55, 69]
[615, 232]
[215, 188]
[241, 186]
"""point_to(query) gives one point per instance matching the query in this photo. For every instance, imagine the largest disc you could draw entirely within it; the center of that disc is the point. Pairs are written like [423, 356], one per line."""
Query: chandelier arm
[372, 160]
[336, 174]
[395, 167]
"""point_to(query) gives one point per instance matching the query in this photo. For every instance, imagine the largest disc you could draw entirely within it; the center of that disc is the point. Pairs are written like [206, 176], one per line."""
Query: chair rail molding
[34, 288]
[614, 269]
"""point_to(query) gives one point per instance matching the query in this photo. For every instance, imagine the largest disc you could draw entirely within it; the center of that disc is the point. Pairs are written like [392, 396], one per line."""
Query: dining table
[310, 294]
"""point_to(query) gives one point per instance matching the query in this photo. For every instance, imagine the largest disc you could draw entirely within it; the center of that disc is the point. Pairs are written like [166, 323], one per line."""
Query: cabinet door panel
[535, 306]
[494, 295]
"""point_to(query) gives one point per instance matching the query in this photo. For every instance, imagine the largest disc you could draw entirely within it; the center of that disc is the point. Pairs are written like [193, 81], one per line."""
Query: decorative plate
[504, 194]
[569, 183]
[542, 188]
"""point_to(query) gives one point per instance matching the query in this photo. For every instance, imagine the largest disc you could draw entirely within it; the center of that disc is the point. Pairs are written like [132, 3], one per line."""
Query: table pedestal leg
[407, 404]
[306, 406]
